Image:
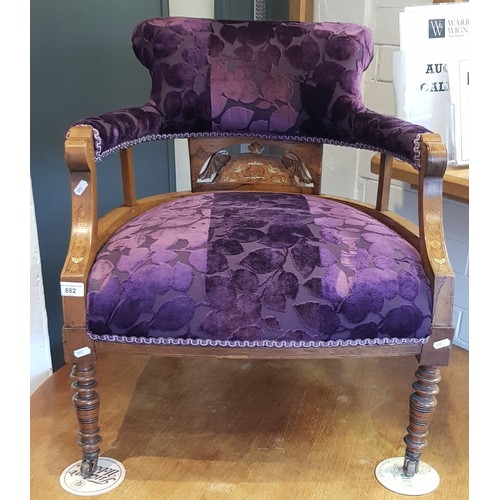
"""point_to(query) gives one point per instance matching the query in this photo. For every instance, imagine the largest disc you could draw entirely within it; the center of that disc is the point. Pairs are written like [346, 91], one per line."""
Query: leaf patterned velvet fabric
[258, 269]
[268, 79]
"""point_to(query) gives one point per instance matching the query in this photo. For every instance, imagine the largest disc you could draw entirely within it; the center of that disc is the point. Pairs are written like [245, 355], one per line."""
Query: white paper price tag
[80, 187]
[70, 289]
[83, 351]
[441, 343]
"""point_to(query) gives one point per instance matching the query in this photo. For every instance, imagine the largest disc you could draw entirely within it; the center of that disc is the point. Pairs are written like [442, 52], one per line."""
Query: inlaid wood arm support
[433, 248]
[79, 158]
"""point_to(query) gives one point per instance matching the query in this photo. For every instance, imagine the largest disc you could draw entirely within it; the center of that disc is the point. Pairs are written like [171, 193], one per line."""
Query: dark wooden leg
[422, 406]
[86, 403]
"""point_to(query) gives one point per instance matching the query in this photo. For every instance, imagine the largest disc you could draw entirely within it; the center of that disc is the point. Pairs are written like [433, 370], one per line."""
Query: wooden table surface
[192, 429]
[455, 180]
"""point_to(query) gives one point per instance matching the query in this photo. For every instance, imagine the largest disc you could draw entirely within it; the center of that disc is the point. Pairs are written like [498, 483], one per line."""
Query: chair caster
[410, 468]
[87, 477]
[88, 467]
[407, 476]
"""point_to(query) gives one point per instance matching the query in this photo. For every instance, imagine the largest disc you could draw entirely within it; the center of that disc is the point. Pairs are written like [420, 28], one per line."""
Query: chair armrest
[370, 130]
[79, 158]
[433, 158]
[388, 134]
[82, 249]
[122, 128]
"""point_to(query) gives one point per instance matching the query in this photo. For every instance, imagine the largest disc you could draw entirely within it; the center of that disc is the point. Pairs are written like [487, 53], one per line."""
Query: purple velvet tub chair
[254, 261]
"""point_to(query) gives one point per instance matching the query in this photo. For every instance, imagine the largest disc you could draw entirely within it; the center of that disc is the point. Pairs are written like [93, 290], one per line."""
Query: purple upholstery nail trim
[415, 161]
[262, 343]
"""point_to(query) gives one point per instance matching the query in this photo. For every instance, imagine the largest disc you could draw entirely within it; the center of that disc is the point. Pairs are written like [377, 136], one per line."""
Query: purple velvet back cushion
[279, 80]
[268, 269]
[259, 77]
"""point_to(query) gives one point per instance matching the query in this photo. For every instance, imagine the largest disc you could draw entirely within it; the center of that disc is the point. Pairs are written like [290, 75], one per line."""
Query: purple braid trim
[416, 149]
[97, 140]
[99, 155]
[256, 343]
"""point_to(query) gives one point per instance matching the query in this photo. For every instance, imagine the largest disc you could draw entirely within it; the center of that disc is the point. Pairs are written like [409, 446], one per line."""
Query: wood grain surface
[252, 429]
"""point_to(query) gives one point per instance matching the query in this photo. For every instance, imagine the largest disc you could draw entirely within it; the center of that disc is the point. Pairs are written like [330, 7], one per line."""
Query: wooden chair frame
[89, 233]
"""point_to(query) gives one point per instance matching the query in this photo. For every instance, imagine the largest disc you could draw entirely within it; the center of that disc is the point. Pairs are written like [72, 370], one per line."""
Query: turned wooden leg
[86, 403]
[422, 406]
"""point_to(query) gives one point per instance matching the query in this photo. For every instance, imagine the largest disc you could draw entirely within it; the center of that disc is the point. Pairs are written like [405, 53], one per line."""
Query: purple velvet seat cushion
[258, 269]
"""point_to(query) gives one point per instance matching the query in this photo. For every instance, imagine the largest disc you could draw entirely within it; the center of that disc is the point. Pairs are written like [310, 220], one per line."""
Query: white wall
[191, 8]
[40, 360]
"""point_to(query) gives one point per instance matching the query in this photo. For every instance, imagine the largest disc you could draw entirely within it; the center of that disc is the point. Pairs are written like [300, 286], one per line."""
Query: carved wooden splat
[283, 169]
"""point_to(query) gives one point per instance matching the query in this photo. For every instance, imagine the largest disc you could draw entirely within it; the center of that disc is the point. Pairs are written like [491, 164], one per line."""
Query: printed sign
[431, 73]
[108, 475]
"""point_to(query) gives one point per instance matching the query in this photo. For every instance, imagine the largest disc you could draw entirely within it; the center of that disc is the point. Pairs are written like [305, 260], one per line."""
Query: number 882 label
[70, 289]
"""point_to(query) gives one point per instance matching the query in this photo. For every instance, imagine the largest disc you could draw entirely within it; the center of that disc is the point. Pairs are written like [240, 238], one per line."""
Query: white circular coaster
[108, 475]
[390, 474]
